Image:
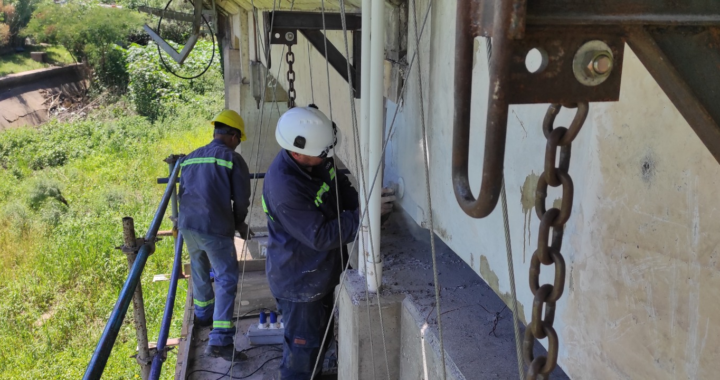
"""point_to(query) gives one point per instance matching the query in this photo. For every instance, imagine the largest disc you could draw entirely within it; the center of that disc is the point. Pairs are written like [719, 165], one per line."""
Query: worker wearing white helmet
[312, 212]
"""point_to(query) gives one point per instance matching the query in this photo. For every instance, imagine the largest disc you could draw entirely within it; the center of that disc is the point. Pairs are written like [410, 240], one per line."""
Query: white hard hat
[307, 131]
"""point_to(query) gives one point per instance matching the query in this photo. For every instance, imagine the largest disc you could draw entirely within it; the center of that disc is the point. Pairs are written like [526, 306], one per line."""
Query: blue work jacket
[304, 248]
[214, 190]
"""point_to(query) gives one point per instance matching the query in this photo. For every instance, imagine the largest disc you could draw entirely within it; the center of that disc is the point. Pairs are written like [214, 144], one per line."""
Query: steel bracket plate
[279, 23]
[557, 83]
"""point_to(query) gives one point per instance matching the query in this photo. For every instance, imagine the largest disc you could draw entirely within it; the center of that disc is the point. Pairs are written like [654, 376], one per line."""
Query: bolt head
[601, 64]
[290, 36]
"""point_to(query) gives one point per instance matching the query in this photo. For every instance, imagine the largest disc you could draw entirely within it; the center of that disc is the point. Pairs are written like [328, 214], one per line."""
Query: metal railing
[138, 251]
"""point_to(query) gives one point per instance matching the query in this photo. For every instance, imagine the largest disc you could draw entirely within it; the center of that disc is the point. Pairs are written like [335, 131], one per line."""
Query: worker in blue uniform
[307, 235]
[214, 198]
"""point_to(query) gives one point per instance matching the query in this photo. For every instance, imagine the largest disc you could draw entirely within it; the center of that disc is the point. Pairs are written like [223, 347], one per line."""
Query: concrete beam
[356, 359]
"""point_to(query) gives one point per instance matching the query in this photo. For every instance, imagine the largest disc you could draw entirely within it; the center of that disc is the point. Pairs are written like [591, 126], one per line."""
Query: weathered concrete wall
[413, 349]
[641, 245]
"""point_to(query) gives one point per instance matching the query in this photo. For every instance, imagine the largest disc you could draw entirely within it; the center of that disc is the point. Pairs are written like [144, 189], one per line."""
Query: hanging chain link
[290, 59]
[548, 252]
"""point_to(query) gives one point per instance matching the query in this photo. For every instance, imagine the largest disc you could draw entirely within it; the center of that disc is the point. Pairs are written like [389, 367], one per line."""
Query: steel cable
[426, 158]
[257, 155]
[390, 135]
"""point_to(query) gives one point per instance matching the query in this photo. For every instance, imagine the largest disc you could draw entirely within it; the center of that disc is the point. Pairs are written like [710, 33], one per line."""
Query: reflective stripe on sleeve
[207, 160]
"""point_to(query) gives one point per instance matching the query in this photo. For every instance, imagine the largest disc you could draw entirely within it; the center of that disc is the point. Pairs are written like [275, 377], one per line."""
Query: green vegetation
[90, 34]
[14, 15]
[64, 188]
[17, 63]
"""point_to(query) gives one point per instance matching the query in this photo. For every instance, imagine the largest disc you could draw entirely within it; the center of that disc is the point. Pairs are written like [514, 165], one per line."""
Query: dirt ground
[28, 104]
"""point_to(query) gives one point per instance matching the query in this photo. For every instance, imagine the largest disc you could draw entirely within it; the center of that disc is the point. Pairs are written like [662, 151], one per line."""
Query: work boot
[225, 352]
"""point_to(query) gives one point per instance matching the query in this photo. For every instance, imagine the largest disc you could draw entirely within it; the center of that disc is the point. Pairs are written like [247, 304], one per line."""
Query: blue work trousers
[215, 252]
[305, 324]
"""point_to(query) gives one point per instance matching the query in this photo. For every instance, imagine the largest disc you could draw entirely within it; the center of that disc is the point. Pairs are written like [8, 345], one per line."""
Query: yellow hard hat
[231, 119]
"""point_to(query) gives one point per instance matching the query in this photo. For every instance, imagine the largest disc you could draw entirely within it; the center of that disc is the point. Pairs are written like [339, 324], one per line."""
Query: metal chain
[548, 253]
[290, 59]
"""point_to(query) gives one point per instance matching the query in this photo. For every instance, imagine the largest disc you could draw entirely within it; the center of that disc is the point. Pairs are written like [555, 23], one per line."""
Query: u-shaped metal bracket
[504, 20]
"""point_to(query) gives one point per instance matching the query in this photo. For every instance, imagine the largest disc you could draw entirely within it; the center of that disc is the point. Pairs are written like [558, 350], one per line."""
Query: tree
[6, 13]
[90, 33]
[14, 15]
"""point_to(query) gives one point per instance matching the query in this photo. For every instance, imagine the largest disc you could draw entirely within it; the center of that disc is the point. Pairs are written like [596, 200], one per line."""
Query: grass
[21, 62]
[59, 272]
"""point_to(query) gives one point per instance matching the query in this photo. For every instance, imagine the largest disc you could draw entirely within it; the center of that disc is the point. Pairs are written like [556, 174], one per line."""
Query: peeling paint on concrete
[527, 199]
[557, 203]
[446, 236]
[643, 284]
[492, 279]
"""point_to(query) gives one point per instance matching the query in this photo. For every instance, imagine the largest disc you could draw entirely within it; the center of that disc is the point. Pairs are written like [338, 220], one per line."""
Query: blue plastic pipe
[107, 340]
[159, 358]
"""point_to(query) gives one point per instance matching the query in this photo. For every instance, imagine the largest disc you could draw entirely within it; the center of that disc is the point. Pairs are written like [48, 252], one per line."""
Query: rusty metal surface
[695, 94]
[557, 83]
[610, 12]
[548, 251]
[496, 125]
[614, 12]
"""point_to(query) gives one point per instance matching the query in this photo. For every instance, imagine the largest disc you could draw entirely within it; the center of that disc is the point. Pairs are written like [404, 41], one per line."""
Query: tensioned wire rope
[358, 153]
[257, 154]
[390, 135]
[426, 158]
[385, 144]
[508, 251]
[358, 163]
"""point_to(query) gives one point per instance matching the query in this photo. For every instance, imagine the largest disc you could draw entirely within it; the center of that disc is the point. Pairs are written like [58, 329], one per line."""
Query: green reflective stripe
[332, 173]
[203, 303]
[222, 324]
[323, 189]
[207, 160]
[265, 208]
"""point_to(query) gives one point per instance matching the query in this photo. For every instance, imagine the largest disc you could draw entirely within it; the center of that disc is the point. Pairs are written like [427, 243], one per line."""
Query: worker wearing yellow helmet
[229, 119]
[214, 199]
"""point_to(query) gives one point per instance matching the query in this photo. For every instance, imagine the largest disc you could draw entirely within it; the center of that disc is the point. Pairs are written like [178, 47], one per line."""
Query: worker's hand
[245, 232]
[386, 201]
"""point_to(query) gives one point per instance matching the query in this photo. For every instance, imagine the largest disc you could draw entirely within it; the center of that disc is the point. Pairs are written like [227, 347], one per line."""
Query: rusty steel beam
[684, 60]
[623, 12]
[601, 12]
[676, 87]
[557, 83]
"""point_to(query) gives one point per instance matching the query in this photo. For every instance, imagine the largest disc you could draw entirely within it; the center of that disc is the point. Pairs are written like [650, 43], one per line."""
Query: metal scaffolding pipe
[104, 347]
[160, 357]
[376, 102]
[364, 246]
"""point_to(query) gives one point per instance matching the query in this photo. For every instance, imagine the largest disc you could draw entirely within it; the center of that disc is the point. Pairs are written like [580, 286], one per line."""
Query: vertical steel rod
[159, 358]
[173, 195]
[143, 356]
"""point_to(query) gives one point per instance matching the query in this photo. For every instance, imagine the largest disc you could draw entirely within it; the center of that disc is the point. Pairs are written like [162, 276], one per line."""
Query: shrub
[90, 33]
[43, 189]
[109, 68]
[155, 92]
